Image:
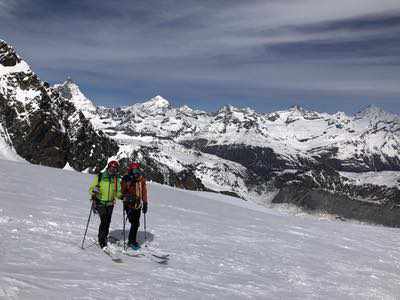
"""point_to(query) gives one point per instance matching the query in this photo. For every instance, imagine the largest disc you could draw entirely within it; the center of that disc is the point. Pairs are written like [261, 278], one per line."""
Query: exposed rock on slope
[45, 127]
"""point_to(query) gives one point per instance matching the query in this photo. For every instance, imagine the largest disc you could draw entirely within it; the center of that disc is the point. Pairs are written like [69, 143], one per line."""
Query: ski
[144, 252]
[156, 253]
[133, 254]
[162, 256]
[162, 261]
[114, 258]
[151, 257]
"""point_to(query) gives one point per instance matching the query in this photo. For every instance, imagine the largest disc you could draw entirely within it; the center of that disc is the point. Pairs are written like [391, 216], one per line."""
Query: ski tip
[164, 256]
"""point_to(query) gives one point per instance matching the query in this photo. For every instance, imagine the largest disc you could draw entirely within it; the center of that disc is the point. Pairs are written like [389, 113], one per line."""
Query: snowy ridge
[296, 128]
[10, 62]
[354, 140]
[154, 105]
[387, 178]
[297, 132]
[21, 67]
[12, 69]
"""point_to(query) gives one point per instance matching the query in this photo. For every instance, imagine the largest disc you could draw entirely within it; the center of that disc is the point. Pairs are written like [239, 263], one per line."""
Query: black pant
[134, 219]
[105, 213]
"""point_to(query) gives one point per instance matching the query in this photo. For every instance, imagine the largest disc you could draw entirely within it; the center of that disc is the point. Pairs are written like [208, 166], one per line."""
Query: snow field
[220, 247]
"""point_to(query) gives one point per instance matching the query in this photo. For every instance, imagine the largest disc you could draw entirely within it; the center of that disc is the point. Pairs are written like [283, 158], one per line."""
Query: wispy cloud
[6, 7]
[193, 50]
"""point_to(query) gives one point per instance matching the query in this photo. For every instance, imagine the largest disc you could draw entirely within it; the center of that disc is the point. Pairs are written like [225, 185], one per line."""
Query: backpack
[99, 177]
[133, 201]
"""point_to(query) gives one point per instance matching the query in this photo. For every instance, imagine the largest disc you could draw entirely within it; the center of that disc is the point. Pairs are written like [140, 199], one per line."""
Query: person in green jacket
[105, 190]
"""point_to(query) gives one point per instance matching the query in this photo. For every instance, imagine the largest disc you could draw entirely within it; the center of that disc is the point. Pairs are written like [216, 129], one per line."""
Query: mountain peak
[186, 109]
[375, 112]
[159, 101]
[70, 84]
[296, 107]
[156, 103]
[296, 111]
[69, 81]
[10, 62]
[223, 109]
[71, 91]
[227, 109]
[233, 110]
[371, 110]
[8, 56]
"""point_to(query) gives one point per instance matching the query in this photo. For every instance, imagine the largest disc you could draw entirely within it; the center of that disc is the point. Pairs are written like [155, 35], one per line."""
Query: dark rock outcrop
[163, 174]
[316, 200]
[8, 57]
[326, 191]
[45, 128]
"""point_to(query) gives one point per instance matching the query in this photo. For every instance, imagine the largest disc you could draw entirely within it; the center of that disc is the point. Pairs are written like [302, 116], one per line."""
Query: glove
[144, 209]
[95, 192]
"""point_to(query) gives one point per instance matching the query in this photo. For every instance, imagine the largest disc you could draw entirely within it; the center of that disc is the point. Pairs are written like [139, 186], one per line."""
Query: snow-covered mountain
[312, 159]
[368, 141]
[40, 124]
[220, 247]
[293, 156]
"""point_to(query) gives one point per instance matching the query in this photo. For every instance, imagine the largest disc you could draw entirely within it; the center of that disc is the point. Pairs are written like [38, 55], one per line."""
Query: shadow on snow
[118, 235]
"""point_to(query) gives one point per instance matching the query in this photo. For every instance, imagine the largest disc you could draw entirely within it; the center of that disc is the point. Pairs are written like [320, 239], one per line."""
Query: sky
[324, 55]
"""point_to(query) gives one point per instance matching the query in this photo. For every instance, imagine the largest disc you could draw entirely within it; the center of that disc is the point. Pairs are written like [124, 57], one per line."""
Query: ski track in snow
[220, 247]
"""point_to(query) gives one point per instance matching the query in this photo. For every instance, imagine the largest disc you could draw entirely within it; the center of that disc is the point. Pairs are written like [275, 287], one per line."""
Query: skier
[134, 191]
[105, 189]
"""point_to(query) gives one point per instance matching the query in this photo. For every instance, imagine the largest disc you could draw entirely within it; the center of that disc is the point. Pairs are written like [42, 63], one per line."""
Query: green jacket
[110, 188]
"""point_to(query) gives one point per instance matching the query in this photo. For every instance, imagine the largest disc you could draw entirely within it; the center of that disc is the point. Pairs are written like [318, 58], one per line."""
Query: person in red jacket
[134, 191]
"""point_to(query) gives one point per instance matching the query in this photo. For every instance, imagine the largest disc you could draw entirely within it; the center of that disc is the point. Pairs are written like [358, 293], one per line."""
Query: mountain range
[336, 163]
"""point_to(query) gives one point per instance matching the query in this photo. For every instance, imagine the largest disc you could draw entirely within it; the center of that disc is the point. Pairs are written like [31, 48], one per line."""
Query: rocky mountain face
[344, 165]
[43, 126]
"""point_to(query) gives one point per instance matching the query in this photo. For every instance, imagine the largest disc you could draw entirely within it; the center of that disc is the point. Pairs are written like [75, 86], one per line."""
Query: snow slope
[218, 249]
[7, 152]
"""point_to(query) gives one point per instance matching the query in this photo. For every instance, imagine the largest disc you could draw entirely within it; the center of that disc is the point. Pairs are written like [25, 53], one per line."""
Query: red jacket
[134, 189]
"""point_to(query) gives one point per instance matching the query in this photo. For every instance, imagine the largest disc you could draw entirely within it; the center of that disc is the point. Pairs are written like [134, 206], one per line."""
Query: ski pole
[87, 225]
[145, 231]
[124, 221]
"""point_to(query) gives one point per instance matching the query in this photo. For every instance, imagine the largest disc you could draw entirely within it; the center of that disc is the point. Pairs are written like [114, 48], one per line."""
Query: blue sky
[268, 55]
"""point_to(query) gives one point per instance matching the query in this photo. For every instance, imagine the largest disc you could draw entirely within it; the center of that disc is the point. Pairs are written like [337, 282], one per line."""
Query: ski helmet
[113, 164]
[134, 168]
